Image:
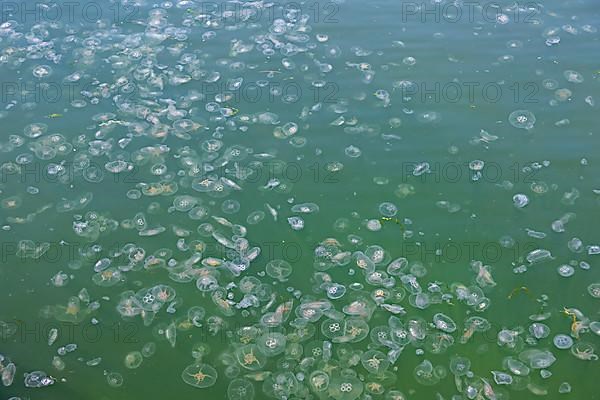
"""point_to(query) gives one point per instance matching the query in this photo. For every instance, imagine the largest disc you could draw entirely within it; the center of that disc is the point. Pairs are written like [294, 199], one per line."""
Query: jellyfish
[199, 375]
[374, 361]
[240, 389]
[522, 119]
[460, 366]
[472, 325]
[250, 357]
[38, 379]
[424, 374]
[345, 388]
[108, 277]
[444, 323]
[271, 344]
[72, 312]
[133, 359]
[594, 290]
[279, 269]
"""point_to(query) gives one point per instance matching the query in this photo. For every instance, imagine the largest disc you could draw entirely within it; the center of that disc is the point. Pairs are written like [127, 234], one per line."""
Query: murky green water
[432, 152]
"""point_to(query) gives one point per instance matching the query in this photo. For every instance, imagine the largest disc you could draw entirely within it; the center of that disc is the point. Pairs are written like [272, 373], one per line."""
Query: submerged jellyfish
[240, 389]
[444, 323]
[522, 119]
[133, 359]
[250, 357]
[72, 312]
[199, 375]
[460, 366]
[594, 290]
[562, 342]
[38, 379]
[374, 361]
[345, 388]
[424, 374]
[114, 379]
[278, 269]
[271, 344]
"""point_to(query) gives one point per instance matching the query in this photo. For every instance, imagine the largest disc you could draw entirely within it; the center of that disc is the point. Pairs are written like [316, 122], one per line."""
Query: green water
[466, 74]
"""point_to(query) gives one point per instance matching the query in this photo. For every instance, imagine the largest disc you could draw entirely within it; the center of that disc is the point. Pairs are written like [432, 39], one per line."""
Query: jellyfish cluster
[249, 192]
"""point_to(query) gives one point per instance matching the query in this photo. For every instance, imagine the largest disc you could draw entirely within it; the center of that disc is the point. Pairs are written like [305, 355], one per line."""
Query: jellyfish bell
[199, 375]
[278, 269]
[250, 357]
[271, 344]
[424, 374]
[240, 389]
[522, 119]
[133, 359]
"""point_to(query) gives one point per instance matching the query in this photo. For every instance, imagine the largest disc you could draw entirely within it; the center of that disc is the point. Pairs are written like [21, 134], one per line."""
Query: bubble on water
[522, 119]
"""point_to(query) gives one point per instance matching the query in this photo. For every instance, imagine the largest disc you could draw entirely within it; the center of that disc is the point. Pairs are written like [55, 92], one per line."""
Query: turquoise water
[441, 142]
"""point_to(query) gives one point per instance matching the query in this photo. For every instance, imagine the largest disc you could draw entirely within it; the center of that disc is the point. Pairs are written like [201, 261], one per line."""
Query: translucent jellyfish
[419, 300]
[11, 203]
[502, 378]
[595, 327]
[8, 372]
[594, 290]
[163, 293]
[37, 379]
[305, 208]
[334, 290]
[562, 341]
[522, 119]
[424, 374]
[148, 349]
[108, 277]
[207, 283]
[72, 312]
[444, 323]
[195, 315]
[199, 375]
[537, 359]
[281, 385]
[319, 381]
[539, 330]
[331, 328]
[240, 389]
[388, 209]
[460, 366]
[114, 379]
[345, 388]
[279, 269]
[352, 151]
[271, 344]
[566, 271]
[355, 330]
[472, 325]
[397, 267]
[250, 357]
[520, 200]
[374, 361]
[199, 350]
[133, 359]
